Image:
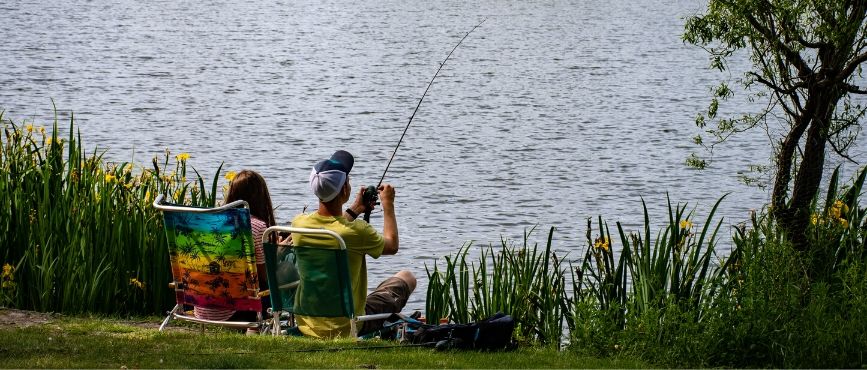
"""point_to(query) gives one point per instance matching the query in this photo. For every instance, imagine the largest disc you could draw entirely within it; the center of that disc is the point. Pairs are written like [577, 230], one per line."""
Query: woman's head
[250, 187]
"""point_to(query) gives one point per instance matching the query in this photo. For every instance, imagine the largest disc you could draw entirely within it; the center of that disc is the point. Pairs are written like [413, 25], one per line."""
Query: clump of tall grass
[764, 305]
[656, 286]
[78, 232]
[521, 280]
[785, 308]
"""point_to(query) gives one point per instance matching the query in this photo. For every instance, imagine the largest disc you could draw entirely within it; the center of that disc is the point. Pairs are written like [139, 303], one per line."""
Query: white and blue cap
[329, 175]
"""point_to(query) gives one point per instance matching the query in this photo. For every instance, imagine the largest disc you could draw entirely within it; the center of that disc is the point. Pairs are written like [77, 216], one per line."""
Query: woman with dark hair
[248, 186]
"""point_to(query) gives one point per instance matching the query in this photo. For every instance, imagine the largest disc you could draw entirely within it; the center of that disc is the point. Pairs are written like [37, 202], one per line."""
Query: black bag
[493, 333]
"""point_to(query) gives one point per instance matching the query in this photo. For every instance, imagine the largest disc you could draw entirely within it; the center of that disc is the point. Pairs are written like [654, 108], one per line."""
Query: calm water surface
[551, 112]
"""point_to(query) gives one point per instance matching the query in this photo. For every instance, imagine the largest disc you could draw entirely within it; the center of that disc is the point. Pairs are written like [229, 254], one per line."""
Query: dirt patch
[13, 318]
[10, 317]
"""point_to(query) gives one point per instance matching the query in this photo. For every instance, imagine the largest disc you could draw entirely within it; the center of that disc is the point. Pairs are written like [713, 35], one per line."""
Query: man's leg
[389, 297]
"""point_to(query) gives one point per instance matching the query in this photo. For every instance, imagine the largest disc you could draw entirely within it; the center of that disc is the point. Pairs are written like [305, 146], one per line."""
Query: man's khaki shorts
[389, 297]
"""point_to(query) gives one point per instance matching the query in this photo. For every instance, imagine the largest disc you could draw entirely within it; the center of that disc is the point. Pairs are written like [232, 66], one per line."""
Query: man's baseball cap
[329, 175]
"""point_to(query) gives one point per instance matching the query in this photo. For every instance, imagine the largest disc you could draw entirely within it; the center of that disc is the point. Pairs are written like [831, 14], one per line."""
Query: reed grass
[522, 280]
[78, 233]
[545, 293]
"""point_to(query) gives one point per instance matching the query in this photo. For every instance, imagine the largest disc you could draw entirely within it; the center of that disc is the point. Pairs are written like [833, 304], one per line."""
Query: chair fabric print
[212, 258]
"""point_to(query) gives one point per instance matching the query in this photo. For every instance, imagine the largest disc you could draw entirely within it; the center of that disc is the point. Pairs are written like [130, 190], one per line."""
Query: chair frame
[353, 319]
[178, 311]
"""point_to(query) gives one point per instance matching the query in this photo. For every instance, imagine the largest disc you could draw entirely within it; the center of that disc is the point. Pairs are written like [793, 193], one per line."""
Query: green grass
[78, 342]
[78, 233]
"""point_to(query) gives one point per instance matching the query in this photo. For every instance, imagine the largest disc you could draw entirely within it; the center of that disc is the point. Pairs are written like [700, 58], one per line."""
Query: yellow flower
[685, 224]
[230, 175]
[42, 131]
[814, 219]
[136, 283]
[182, 157]
[29, 128]
[148, 196]
[601, 243]
[834, 212]
[48, 141]
[109, 178]
[844, 223]
[8, 270]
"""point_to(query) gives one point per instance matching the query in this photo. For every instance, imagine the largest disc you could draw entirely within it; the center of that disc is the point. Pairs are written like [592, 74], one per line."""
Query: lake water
[549, 113]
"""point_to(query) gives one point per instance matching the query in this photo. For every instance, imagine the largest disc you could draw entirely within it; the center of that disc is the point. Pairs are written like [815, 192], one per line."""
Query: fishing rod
[371, 195]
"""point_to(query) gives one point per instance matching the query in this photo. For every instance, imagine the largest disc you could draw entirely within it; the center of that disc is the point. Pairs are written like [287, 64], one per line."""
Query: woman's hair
[250, 186]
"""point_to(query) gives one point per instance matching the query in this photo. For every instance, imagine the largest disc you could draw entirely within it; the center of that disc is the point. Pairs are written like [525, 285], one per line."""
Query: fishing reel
[370, 197]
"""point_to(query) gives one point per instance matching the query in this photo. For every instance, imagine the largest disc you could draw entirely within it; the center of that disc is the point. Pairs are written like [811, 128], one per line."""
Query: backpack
[492, 333]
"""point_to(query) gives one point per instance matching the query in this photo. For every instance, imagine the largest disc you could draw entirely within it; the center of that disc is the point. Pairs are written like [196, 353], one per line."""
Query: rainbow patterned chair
[212, 260]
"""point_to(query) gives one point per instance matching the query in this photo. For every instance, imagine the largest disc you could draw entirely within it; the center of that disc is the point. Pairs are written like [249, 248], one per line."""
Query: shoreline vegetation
[78, 236]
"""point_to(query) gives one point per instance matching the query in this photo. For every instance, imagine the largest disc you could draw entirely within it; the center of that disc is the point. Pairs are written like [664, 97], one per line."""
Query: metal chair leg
[170, 316]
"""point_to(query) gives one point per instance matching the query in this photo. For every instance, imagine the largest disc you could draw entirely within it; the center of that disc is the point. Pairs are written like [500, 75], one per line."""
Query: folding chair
[321, 287]
[212, 256]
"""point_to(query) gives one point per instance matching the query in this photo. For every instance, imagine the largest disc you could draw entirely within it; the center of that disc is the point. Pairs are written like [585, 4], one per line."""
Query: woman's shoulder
[257, 223]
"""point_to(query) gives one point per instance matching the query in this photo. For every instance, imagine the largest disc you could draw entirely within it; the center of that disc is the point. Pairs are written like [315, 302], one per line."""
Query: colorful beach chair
[212, 259]
[321, 287]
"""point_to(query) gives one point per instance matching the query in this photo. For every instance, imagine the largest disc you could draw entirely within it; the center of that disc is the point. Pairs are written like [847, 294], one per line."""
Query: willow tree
[806, 63]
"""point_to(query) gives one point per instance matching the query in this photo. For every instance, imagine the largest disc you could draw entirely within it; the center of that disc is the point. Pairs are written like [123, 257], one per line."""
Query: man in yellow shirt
[329, 180]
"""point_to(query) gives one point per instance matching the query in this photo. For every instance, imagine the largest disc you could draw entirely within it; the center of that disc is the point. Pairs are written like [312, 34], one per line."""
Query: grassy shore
[32, 340]
[78, 235]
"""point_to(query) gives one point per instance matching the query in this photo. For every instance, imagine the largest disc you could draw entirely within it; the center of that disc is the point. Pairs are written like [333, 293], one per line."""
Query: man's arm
[389, 224]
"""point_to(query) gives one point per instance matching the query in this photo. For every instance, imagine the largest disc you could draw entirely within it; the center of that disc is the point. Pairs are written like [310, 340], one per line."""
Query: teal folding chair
[321, 287]
[213, 263]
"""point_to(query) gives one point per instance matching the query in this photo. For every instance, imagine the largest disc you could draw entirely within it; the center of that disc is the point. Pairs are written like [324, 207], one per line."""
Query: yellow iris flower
[183, 157]
[230, 175]
[601, 243]
[135, 282]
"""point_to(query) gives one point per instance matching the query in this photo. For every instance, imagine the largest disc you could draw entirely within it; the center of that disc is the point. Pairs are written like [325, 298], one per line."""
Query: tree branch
[852, 89]
[840, 152]
[851, 66]
[787, 91]
[791, 56]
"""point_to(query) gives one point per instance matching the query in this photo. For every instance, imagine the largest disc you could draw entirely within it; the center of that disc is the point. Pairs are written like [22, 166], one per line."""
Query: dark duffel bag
[493, 333]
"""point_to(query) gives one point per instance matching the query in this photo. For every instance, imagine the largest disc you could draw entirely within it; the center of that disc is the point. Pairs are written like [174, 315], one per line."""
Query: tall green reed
[78, 231]
[521, 280]
[675, 267]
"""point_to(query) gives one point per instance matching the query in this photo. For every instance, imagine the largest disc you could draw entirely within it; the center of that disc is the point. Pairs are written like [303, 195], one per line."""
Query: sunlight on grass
[108, 343]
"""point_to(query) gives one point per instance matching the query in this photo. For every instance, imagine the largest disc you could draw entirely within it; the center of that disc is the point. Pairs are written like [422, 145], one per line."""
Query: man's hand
[386, 195]
[358, 205]
[389, 224]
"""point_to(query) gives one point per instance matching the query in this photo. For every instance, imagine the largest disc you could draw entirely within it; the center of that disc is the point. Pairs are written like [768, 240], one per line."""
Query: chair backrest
[323, 287]
[212, 256]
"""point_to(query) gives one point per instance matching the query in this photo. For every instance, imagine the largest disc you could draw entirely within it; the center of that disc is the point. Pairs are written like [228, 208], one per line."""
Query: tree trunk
[794, 215]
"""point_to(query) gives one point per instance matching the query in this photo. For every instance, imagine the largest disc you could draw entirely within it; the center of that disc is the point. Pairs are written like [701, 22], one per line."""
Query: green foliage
[773, 314]
[519, 280]
[80, 233]
[647, 302]
[806, 58]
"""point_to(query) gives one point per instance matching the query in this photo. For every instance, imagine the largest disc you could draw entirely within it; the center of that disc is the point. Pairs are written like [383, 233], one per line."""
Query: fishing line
[370, 194]
[422, 99]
